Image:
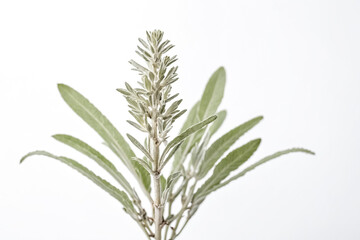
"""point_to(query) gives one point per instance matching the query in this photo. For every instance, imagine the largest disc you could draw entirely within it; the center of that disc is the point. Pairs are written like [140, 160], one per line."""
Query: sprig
[199, 166]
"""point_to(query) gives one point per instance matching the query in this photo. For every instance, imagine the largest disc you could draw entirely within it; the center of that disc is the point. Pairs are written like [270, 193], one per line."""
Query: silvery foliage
[199, 166]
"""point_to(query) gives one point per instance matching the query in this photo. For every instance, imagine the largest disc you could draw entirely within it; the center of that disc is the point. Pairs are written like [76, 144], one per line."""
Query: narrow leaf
[96, 156]
[213, 94]
[172, 152]
[218, 122]
[95, 119]
[172, 178]
[121, 196]
[260, 162]
[137, 126]
[139, 146]
[191, 118]
[228, 164]
[221, 145]
[162, 183]
[143, 163]
[186, 133]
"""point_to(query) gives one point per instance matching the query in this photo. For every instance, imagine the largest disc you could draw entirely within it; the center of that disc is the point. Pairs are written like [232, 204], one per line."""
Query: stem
[183, 209]
[156, 176]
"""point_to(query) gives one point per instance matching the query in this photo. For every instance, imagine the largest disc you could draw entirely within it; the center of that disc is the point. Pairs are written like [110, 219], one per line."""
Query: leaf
[144, 177]
[221, 145]
[198, 153]
[173, 151]
[228, 164]
[137, 126]
[95, 119]
[260, 162]
[207, 106]
[162, 183]
[213, 94]
[172, 178]
[144, 164]
[191, 118]
[121, 196]
[139, 146]
[185, 134]
[96, 156]
[218, 122]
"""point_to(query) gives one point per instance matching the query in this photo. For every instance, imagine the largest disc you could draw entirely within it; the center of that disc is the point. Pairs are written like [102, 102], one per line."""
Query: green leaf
[192, 117]
[207, 106]
[221, 145]
[186, 133]
[260, 162]
[213, 94]
[139, 146]
[198, 152]
[95, 119]
[96, 156]
[172, 152]
[228, 164]
[137, 126]
[218, 122]
[162, 183]
[212, 130]
[172, 178]
[143, 163]
[144, 177]
[121, 196]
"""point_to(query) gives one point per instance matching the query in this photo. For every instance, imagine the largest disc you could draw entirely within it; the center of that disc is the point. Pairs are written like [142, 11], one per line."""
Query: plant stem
[183, 209]
[156, 176]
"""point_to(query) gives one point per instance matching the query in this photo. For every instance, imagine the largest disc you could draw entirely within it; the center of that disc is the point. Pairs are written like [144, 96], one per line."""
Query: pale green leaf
[162, 183]
[221, 145]
[218, 122]
[192, 117]
[260, 162]
[186, 133]
[168, 157]
[144, 177]
[121, 196]
[228, 164]
[94, 118]
[139, 146]
[213, 94]
[172, 178]
[96, 156]
[143, 163]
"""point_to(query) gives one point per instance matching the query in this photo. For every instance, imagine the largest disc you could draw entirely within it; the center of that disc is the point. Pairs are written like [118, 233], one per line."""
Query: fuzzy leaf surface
[228, 164]
[213, 94]
[121, 196]
[96, 156]
[186, 133]
[218, 122]
[221, 145]
[260, 162]
[95, 119]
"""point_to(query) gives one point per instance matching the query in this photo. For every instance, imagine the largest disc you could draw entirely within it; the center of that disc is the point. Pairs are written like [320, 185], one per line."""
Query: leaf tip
[61, 86]
[309, 151]
[257, 141]
[22, 159]
[221, 69]
[260, 118]
[56, 136]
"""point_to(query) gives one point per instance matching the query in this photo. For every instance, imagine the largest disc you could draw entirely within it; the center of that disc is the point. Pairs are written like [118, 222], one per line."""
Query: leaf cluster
[200, 165]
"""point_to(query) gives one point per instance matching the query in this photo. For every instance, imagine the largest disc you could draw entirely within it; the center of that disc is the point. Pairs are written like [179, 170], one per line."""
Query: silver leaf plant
[198, 167]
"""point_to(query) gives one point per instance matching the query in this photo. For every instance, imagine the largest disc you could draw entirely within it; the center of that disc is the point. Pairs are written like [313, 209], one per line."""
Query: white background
[295, 62]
